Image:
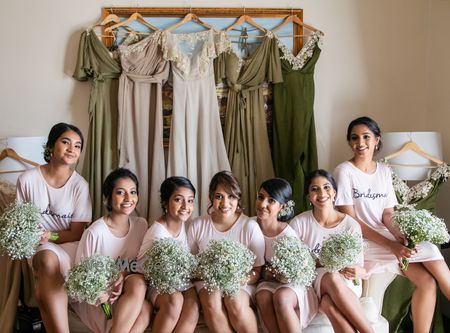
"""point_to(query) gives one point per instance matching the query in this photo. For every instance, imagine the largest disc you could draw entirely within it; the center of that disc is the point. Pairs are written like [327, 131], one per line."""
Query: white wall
[386, 59]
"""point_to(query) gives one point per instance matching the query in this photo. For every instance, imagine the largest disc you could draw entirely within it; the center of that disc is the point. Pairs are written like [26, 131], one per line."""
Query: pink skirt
[307, 300]
[378, 259]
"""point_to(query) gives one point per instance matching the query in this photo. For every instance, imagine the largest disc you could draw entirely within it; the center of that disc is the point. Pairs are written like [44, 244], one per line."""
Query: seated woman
[62, 197]
[367, 194]
[118, 235]
[179, 311]
[226, 220]
[338, 296]
[283, 307]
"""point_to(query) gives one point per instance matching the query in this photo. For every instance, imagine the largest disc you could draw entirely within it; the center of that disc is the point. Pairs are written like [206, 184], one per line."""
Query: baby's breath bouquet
[341, 250]
[20, 231]
[419, 225]
[225, 265]
[90, 278]
[168, 266]
[292, 259]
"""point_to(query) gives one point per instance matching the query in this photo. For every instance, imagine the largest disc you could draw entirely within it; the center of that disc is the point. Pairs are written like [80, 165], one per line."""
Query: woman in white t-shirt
[282, 307]
[367, 194]
[177, 312]
[226, 220]
[117, 235]
[62, 197]
[338, 296]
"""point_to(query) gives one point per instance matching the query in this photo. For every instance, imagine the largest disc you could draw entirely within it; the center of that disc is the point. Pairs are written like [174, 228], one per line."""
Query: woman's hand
[103, 298]
[117, 288]
[353, 272]
[401, 251]
[267, 274]
[45, 237]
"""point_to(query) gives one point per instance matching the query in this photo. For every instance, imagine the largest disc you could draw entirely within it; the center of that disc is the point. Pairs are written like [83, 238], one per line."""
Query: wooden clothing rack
[182, 12]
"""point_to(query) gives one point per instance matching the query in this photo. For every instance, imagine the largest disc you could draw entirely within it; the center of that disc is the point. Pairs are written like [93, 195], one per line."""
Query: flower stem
[405, 262]
[54, 236]
[107, 310]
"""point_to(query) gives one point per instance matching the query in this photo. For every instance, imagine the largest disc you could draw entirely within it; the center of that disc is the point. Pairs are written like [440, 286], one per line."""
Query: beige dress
[197, 149]
[246, 135]
[140, 125]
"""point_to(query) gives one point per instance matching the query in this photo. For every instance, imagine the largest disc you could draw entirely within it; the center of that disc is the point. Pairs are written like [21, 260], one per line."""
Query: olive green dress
[97, 64]
[294, 133]
[397, 297]
[246, 138]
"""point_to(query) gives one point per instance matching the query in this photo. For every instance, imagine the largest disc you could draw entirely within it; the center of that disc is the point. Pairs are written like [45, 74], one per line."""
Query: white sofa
[372, 301]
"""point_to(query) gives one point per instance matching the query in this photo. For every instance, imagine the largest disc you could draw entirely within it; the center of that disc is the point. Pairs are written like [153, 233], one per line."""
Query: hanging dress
[140, 125]
[294, 133]
[196, 148]
[96, 63]
[397, 297]
[246, 136]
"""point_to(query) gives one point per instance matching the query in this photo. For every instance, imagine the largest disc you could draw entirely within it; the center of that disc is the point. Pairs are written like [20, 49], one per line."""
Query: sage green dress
[294, 133]
[397, 297]
[246, 137]
[97, 64]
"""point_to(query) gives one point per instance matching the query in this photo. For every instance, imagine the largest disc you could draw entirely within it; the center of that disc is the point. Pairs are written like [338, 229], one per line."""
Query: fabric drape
[196, 149]
[294, 133]
[97, 64]
[140, 126]
[246, 136]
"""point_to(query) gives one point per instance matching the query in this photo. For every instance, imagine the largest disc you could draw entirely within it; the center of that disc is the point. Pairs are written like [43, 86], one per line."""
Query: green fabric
[246, 137]
[294, 134]
[96, 63]
[397, 297]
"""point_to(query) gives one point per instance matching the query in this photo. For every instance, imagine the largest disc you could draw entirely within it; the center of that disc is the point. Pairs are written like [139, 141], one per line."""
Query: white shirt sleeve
[344, 185]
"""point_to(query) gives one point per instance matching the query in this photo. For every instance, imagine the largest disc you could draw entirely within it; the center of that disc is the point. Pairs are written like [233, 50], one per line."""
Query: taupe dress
[140, 126]
[246, 136]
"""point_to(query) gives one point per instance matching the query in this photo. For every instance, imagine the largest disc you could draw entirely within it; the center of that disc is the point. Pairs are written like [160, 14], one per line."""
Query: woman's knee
[45, 263]
[237, 306]
[264, 300]
[135, 285]
[423, 279]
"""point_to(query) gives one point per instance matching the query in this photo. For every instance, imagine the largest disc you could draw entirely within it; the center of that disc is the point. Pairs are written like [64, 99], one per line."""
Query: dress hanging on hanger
[294, 134]
[196, 148]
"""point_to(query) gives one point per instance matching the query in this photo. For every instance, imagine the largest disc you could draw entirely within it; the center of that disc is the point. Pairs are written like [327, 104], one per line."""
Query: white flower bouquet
[340, 251]
[93, 276]
[419, 225]
[168, 266]
[292, 259]
[225, 265]
[20, 231]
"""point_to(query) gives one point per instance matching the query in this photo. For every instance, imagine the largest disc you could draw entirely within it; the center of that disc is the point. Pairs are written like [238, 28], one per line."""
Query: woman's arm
[72, 234]
[398, 249]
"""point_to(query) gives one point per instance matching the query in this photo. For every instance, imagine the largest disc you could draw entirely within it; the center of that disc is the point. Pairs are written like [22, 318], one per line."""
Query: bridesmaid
[226, 220]
[338, 296]
[282, 307]
[367, 194]
[62, 197]
[118, 235]
[177, 312]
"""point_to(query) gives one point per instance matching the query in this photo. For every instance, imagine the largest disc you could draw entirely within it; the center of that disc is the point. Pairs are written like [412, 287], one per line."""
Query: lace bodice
[192, 53]
[422, 191]
[298, 61]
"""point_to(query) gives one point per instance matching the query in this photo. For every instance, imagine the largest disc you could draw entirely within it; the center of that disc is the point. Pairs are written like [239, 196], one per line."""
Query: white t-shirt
[159, 231]
[313, 234]
[244, 231]
[268, 241]
[58, 206]
[370, 194]
[98, 238]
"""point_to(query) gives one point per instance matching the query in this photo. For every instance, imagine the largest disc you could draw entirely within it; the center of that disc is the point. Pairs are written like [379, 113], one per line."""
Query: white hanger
[412, 146]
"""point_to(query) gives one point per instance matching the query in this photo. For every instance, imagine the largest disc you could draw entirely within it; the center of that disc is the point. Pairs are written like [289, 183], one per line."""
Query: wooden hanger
[245, 19]
[133, 17]
[295, 19]
[188, 18]
[412, 146]
[8, 152]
